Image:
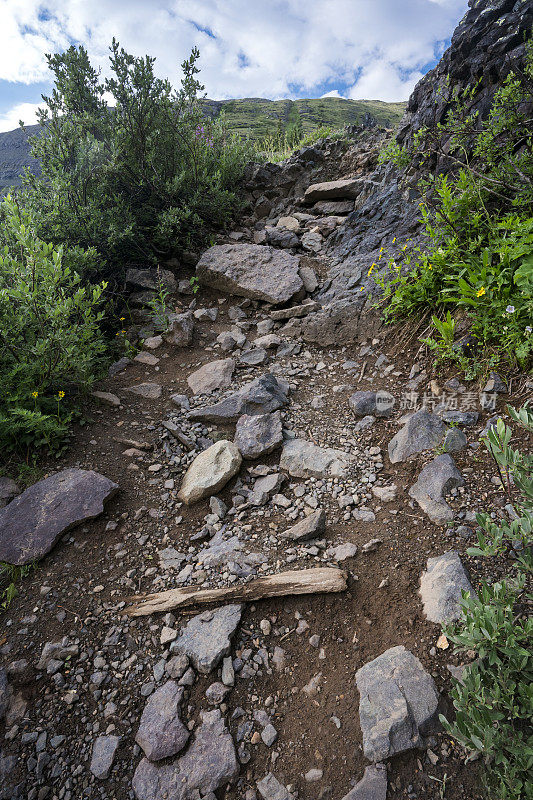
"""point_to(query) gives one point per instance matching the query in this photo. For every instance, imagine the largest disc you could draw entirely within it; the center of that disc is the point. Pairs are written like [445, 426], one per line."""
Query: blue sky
[373, 49]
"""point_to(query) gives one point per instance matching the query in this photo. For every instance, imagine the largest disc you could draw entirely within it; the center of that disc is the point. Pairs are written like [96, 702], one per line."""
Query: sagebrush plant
[139, 180]
[493, 701]
[51, 346]
[477, 256]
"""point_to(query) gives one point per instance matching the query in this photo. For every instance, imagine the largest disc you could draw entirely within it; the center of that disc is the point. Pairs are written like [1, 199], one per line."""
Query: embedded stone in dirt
[398, 703]
[271, 789]
[34, 521]
[215, 375]
[258, 435]
[151, 279]
[378, 403]
[210, 471]
[261, 396]
[106, 397]
[372, 786]
[209, 763]
[289, 223]
[255, 271]
[422, 431]
[347, 189]
[146, 358]
[206, 637]
[161, 732]
[303, 459]
[312, 241]
[254, 357]
[308, 528]
[180, 329]
[441, 586]
[437, 478]
[151, 391]
[104, 749]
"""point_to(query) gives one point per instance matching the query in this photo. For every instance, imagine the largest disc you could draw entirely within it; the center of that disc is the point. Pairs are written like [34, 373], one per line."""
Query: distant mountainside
[253, 117]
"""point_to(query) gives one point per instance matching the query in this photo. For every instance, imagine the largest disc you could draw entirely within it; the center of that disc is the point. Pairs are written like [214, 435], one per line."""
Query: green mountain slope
[256, 117]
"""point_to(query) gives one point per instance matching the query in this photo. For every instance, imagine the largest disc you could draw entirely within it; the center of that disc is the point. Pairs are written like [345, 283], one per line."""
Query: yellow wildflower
[61, 395]
[371, 268]
[429, 266]
[394, 240]
[122, 319]
[35, 394]
[481, 292]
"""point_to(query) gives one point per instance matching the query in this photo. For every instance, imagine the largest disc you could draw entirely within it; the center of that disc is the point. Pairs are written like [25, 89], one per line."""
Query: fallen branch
[307, 581]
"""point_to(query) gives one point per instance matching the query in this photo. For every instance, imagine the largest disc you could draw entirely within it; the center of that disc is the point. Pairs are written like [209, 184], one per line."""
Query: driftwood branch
[307, 581]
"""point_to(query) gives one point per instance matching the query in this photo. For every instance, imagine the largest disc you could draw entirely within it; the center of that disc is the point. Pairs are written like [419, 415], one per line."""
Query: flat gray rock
[423, 431]
[347, 189]
[398, 703]
[437, 478]
[263, 395]
[103, 755]
[308, 528]
[150, 391]
[271, 789]
[251, 270]
[161, 732]
[210, 471]
[209, 763]
[212, 376]
[372, 786]
[35, 520]
[206, 637]
[258, 435]
[303, 459]
[441, 586]
[380, 404]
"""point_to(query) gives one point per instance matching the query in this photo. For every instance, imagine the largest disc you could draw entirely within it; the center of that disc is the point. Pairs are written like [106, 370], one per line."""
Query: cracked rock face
[251, 270]
[206, 637]
[437, 478]
[209, 763]
[398, 703]
[441, 586]
[35, 520]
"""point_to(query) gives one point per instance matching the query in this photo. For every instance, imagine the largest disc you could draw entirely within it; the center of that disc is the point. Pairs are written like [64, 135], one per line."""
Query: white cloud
[22, 111]
[282, 48]
[334, 93]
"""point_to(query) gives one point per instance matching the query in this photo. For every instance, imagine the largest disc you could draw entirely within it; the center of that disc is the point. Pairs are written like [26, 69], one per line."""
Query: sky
[359, 49]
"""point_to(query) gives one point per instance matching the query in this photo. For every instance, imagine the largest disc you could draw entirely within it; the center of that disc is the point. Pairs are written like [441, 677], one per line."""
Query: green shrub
[50, 340]
[139, 180]
[494, 700]
[478, 251]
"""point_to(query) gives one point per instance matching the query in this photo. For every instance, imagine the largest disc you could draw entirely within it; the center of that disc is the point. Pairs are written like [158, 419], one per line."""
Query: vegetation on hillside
[476, 201]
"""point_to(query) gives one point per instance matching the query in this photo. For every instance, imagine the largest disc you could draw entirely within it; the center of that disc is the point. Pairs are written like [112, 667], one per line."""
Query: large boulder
[437, 478]
[35, 520]
[210, 471]
[422, 431]
[258, 435]
[161, 732]
[251, 270]
[398, 703]
[303, 459]
[347, 189]
[441, 586]
[262, 396]
[212, 376]
[208, 765]
[205, 640]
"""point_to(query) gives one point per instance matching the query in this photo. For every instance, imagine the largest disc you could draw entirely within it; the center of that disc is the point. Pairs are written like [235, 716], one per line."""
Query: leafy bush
[494, 699]
[50, 340]
[138, 180]
[476, 211]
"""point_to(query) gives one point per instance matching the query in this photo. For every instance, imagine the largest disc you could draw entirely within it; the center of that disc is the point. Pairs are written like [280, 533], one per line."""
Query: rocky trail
[275, 426]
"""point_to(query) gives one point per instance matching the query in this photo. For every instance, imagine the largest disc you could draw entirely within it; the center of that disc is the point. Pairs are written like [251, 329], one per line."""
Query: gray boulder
[454, 441]
[380, 404]
[103, 755]
[437, 478]
[303, 459]
[261, 396]
[258, 435]
[372, 786]
[441, 586]
[422, 431]
[206, 637]
[151, 279]
[250, 270]
[347, 189]
[209, 764]
[212, 376]
[334, 207]
[308, 528]
[161, 732]
[281, 237]
[398, 703]
[35, 520]
[210, 471]
[180, 329]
